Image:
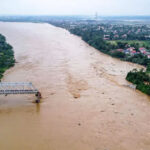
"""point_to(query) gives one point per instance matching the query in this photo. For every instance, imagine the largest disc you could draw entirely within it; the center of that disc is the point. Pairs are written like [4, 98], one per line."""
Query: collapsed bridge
[7, 88]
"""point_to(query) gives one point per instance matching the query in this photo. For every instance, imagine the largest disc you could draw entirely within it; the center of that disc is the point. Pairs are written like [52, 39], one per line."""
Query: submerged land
[87, 102]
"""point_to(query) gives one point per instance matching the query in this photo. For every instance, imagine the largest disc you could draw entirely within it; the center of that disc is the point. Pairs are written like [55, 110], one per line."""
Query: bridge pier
[38, 96]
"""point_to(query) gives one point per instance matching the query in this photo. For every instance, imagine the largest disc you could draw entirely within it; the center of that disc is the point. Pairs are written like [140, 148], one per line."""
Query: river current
[86, 103]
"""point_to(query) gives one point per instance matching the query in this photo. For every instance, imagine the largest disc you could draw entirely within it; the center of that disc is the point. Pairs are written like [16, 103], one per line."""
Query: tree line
[6, 55]
[141, 79]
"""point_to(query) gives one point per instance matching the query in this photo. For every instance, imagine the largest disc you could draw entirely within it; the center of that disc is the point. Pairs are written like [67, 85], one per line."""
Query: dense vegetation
[6, 55]
[141, 79]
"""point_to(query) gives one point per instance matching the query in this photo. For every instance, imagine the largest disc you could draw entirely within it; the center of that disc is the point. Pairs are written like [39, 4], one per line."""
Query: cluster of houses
[132, 51]
[113, 32]
[115, 36]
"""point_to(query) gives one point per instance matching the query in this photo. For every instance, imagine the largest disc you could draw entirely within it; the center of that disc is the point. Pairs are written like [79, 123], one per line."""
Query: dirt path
[86, 104]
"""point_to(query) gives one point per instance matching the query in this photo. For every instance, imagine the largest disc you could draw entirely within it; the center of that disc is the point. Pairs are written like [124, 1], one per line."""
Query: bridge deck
[17, 88]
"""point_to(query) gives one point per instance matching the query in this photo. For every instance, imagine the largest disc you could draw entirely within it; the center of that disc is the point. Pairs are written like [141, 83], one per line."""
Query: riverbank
[106, 115]
[141, 79]
[6, 56]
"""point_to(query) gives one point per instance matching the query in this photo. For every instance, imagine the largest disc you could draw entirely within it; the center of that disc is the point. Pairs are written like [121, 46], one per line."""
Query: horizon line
[74, 15]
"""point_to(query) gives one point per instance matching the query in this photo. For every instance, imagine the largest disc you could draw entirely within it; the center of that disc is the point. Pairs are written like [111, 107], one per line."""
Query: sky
[75, 7]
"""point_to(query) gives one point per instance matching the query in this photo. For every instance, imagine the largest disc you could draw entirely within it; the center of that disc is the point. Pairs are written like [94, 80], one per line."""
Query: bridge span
[7, 88]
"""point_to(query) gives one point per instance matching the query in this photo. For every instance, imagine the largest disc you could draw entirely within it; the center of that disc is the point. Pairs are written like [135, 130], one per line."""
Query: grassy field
[141, 43]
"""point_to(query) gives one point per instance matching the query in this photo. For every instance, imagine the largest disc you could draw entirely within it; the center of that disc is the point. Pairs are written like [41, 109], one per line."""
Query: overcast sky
[75, 7]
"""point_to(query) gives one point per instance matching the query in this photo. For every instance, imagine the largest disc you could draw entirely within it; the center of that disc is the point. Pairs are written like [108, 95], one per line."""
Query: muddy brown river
[86, 104]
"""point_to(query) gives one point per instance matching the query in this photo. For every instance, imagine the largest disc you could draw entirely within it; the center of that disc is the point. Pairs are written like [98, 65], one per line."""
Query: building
[148, 56]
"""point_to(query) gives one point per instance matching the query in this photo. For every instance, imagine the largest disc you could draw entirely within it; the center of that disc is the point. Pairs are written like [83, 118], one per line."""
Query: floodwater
[86, 104]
